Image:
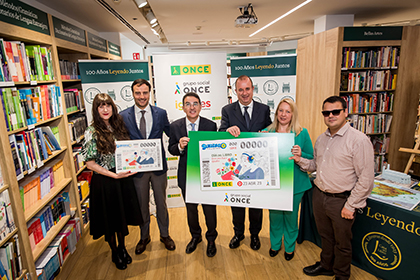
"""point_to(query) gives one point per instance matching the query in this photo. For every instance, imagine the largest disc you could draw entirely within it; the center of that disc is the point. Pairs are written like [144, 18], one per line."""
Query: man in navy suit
[248, 116]
[144, 121]
[178, 145]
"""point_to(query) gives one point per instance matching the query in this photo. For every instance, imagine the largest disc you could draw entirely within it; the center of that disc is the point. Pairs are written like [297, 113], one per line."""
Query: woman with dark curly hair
[113, 198]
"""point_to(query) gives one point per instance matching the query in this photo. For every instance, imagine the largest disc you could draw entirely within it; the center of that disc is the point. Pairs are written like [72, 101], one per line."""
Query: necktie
[143, 124]
[192, 126]
[247, 118]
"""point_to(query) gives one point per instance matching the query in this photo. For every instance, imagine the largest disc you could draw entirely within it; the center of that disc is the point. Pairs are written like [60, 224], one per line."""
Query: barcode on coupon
[205, 172]
[273, 170]
[119, 162]
[158, 156]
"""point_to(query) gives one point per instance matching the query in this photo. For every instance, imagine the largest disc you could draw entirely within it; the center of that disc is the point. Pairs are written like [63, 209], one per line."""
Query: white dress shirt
[147, 116]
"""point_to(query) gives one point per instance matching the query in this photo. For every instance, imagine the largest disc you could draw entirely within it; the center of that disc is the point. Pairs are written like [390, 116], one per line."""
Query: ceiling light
[140, 3]
[279, 18]
[151, 17]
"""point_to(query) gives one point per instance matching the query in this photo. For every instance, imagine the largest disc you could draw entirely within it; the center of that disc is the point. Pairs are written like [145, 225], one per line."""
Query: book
[16, 158]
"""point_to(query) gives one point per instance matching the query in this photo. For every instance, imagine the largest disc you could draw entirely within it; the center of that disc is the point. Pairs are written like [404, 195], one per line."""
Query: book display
[372, 68]
[42, 121]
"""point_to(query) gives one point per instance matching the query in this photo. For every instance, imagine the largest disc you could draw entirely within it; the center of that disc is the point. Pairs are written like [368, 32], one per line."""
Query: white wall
[128, 47]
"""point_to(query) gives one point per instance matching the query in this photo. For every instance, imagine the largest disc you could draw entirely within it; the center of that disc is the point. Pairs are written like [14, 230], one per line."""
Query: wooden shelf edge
[368, 91]
[80, 170]
[372, 113]
[86, 227]
[35, 125]
[4, 187]
[29, 213]
[8, 236]
[71, 80]
[22, 275]
[84, 199]
[52, 233]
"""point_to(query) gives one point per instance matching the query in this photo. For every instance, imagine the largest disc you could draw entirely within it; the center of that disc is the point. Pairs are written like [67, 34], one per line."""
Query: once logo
[381, 251]
[190, 69]
[90, 94]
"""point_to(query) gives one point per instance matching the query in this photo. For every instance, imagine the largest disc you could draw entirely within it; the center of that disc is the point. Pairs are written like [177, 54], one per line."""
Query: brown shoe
[141, 246]
[169, 243]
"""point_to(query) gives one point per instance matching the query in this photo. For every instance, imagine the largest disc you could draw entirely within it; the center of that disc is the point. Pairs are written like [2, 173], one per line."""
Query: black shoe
[255, 242]
[192, 245]
[141, 246]
[123, 254]
[169, 243]
[273, 253]
[289, 256]
[236, 241]
[317, 269]
[119, 263]
[211, 249]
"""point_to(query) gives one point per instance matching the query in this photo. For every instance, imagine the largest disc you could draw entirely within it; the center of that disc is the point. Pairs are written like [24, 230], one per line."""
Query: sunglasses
[334, 112]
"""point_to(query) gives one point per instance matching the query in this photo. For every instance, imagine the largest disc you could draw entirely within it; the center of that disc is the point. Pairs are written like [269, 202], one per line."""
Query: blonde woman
[285, 223]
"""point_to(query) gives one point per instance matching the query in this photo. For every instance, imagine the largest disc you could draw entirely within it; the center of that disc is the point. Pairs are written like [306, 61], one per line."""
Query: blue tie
[192, 126]
[247, 118]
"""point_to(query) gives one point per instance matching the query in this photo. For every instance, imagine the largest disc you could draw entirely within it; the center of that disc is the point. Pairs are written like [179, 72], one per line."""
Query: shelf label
[31, 126]
[372, 33]
[114, 49]
[23, 15]
[34, 83]
[69, 32]
[96, 42]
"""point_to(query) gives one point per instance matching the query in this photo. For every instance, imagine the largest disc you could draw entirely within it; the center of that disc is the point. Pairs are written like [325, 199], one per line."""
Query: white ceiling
[179, 19]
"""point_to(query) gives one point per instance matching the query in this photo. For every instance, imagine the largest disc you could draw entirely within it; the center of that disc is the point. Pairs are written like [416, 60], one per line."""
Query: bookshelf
[322, 71]
[60, 50]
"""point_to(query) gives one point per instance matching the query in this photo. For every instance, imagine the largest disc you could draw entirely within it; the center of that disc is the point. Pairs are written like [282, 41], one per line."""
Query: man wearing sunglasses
[178, 146]
[344, 161]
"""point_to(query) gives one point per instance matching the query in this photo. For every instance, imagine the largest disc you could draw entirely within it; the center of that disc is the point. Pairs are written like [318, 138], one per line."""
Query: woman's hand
[123, 174]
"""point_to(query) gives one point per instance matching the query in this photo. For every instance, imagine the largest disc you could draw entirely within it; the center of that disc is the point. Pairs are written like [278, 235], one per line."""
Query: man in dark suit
[144, 121]
[248, 116]
[178, 145]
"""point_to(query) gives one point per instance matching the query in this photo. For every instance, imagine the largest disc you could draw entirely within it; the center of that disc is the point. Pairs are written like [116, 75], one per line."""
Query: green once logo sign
[175, 70]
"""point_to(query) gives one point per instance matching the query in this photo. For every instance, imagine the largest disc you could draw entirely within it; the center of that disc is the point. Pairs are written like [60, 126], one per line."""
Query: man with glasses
[344, 161]
[248, 116]
[178, 146]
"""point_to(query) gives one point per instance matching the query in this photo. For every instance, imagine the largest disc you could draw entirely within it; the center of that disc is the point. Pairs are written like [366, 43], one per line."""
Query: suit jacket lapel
[238, 113]
[155, 121]
[132, 119]
[183, 128]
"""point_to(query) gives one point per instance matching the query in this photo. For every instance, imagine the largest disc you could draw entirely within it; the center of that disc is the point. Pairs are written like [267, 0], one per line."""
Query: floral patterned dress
[113, 202]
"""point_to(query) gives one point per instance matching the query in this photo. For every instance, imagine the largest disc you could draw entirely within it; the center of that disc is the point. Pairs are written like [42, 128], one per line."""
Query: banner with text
[202, 73]
[251, 170]
[113, 77]
[274, 77]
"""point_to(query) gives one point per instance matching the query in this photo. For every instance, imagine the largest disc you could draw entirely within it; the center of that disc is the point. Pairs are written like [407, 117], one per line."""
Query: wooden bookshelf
[10, 235]
[52, 233]
[22, 275]
[40, 204]
[319, 68]
[60, 49]
[81, 170]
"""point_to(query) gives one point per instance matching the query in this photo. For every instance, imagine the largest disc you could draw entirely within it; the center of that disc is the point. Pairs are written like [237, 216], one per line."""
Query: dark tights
[113, 242]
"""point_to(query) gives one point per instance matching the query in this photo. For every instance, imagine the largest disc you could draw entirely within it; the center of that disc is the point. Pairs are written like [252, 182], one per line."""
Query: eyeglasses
[188, 104]
[335, 112]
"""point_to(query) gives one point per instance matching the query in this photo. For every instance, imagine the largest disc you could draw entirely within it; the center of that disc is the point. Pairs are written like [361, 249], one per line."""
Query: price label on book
[34, 83]
[31, 126]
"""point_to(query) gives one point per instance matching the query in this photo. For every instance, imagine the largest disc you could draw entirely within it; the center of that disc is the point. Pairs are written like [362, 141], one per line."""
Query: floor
[94, 260]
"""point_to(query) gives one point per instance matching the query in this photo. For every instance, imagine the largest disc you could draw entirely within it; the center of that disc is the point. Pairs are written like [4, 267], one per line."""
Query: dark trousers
[335, 233]
[238, 219]
[194, 224]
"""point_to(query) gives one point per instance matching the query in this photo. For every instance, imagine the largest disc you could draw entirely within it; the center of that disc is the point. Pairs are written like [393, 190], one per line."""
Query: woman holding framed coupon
[285, 223]
[113, 198]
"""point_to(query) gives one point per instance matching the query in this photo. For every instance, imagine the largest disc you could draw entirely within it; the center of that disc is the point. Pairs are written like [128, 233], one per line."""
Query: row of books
[368, 80]
[27, 106]
[83, 183]
[378, 57]
[49, 263]
[20, 63]
[380, 144]
[380, 161]
[85, 211]
[37, 186]
[7, 222]
[11, 259]
[77, 127]
[49, 216]
[74, 100]
[30, 148]
[69, 70]
[78, 159]
[379, 123]
[369, 102]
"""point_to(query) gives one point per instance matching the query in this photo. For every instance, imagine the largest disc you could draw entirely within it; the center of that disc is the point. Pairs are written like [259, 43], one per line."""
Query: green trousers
[285, 223]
